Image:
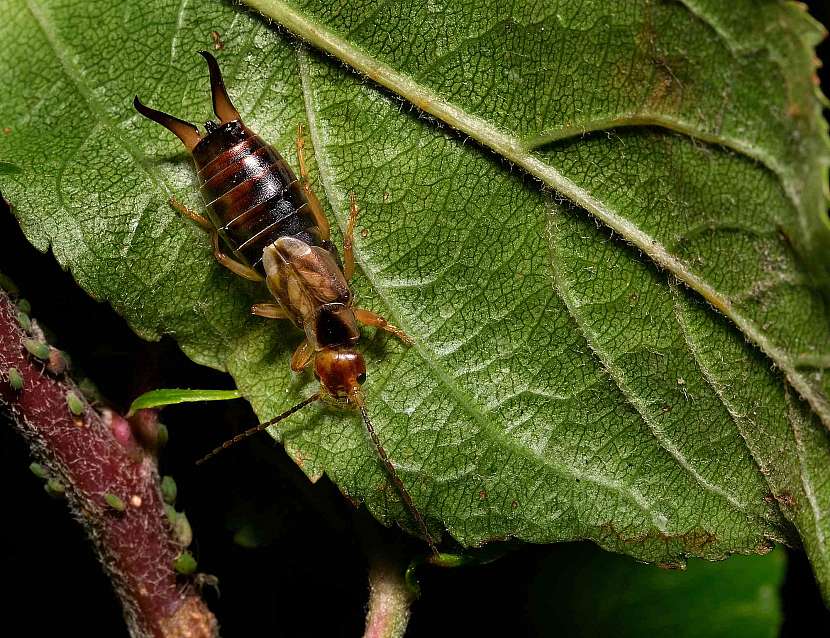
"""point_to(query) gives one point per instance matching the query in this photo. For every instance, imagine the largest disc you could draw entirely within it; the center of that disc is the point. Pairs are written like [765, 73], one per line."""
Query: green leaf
[8, 169]
[569, 378]
[172, 396]
[581, 592]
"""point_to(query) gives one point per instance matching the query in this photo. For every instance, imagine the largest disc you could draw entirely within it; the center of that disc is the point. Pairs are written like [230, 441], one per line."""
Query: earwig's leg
[369, 318]
[191, 214]
[269, 311]
[313, 202]
[234, 266]
[302, 356]
[348, 239]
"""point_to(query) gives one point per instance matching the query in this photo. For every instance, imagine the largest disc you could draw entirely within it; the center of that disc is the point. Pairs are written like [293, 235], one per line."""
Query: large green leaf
[579, 591]
[569, 379]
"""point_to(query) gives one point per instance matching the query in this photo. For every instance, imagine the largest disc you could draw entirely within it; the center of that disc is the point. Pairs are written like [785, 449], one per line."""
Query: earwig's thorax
[310, 286]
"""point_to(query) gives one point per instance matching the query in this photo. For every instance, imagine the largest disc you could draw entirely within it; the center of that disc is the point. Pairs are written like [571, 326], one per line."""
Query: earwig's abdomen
[253, 195]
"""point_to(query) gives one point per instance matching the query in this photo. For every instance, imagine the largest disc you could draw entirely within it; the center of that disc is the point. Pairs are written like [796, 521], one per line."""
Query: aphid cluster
[277, 233]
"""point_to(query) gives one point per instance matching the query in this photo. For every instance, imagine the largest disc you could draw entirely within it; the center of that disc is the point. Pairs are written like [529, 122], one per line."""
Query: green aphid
[15, 379]
[89, 390]
[24, 321]
[37, 348]
[39, 471]
[162, 435]
[168, 489]
[182, 530]
[76, 405]
[114, 502]
[185, 563]
[23, 305]
[54, 488]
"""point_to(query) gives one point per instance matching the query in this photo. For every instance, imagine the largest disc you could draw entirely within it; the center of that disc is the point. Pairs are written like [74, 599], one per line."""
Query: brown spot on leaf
[695, 540]
[218, 45]
[299, 459]
[787, 500]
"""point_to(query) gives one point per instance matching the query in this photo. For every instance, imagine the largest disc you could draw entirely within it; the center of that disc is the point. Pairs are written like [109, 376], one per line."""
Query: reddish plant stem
[390, 599]
[103, 470]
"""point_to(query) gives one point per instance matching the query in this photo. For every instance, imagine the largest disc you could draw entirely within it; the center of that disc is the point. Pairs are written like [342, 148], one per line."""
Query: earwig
[277, 233]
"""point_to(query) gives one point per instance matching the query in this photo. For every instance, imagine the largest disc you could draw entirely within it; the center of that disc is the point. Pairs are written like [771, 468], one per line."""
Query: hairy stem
[389, 597]
[110, 482]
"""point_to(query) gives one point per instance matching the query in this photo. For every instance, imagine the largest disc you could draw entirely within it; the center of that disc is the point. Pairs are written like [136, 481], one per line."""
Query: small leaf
[172, 396]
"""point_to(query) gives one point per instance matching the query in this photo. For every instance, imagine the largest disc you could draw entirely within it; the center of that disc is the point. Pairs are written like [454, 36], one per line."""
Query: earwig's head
[341, 372]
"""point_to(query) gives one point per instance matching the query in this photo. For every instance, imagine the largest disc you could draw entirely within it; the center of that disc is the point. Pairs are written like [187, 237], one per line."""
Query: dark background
[307, 573]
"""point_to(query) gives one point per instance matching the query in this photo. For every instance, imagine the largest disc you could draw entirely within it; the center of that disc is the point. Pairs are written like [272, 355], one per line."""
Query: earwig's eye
[361, 378]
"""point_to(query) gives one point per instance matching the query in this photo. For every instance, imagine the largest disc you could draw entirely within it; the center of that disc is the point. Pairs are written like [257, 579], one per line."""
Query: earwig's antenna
[222, 105]
[258, 428]
[393, 474]
[185, 131]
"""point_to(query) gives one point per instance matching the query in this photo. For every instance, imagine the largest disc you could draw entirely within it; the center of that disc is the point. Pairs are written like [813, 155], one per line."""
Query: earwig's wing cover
[222, 105]
[185, 131]
[314, 269]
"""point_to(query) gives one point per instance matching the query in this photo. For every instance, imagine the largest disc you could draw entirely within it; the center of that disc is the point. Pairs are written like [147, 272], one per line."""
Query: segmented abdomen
[252, 194]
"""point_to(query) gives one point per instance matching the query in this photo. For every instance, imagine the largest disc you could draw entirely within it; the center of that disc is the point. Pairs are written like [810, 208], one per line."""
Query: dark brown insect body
[252, 193]
[274, 226]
